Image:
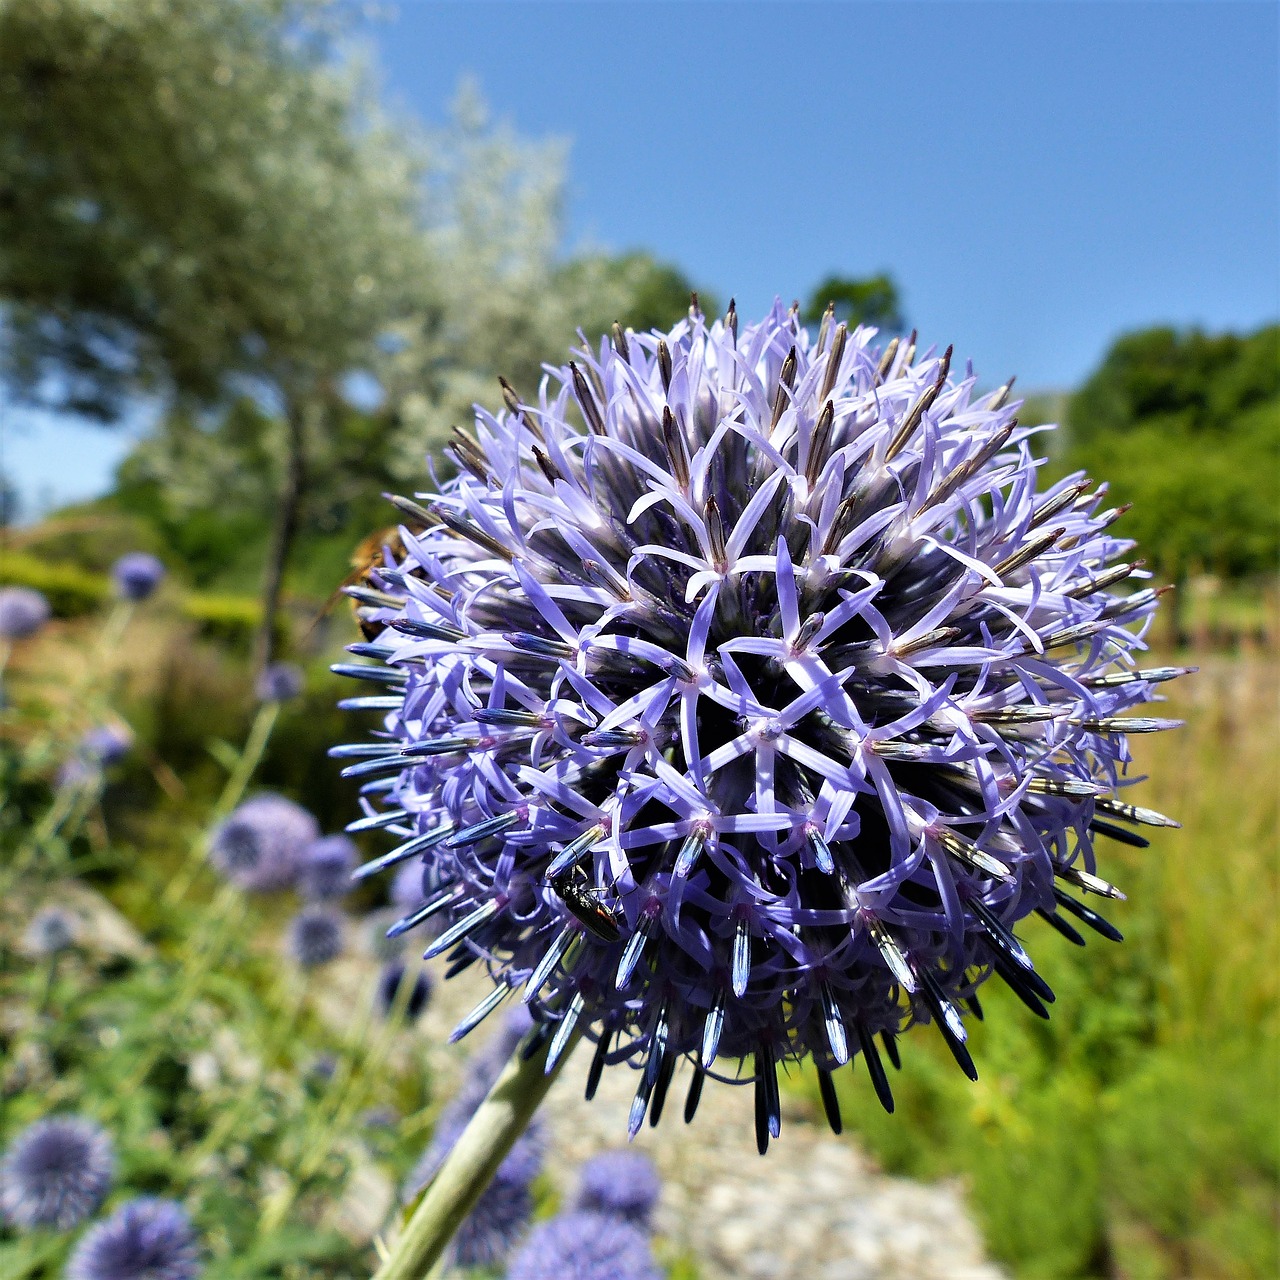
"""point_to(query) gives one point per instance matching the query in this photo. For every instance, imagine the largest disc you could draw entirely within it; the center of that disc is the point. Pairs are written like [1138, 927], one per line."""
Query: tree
[507, 299]
[1186, 426]
[198, 202]
[872, 301]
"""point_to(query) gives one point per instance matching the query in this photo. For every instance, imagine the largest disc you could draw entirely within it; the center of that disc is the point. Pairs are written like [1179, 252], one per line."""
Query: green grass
[1135, 1134]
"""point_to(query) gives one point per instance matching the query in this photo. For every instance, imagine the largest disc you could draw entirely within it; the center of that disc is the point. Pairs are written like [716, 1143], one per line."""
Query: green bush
[71, 591]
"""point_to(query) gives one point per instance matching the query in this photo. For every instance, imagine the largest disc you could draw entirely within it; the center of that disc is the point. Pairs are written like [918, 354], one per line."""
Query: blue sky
[1038, 176]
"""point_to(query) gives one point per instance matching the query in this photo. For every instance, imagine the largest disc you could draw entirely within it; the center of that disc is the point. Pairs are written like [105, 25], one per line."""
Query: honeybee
[368, 556]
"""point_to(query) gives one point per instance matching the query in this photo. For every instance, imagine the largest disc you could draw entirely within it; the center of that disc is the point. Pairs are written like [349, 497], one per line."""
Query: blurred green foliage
[874, 301]
[1186, 426]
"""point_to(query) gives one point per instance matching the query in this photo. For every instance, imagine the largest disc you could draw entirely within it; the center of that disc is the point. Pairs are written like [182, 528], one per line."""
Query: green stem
[502, 1117]
[246, 765]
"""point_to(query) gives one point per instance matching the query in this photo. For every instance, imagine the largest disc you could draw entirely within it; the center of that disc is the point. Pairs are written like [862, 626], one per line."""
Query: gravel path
[815, 1208]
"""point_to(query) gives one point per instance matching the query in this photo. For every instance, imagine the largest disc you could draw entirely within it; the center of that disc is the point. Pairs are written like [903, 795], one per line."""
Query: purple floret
[137, 575]
[145, 1239]
[743, 695]
[584, 1246]
[621, 1184]
[261, 845]
[56, 1173]
[22, 612]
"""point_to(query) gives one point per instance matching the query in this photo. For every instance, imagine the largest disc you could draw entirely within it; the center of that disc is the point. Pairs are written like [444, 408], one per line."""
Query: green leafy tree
[1186, 426]
[874, 300]
[198, 202]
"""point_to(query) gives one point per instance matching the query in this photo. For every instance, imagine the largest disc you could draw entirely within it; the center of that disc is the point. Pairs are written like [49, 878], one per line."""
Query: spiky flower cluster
[147, 1238]
[742, 694]
[56, 1173]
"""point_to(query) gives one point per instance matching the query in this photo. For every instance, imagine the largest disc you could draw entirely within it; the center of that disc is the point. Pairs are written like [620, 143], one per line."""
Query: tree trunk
[282, 532]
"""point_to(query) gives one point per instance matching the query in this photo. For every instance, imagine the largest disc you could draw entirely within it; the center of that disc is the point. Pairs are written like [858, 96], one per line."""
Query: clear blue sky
[1038, 176]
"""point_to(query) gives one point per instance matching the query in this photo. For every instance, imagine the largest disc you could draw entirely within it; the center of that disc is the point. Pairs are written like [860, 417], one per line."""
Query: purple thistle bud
[51, 931]
[326, 867]
[620, 1184]
[137, 575]
[316, 936]
[106, 744]
[56, 1173]
[22, 612]
[584, 1246]
[145, 1239]
[279, 682]
[389, 981]
[745, 696]
[260, 846]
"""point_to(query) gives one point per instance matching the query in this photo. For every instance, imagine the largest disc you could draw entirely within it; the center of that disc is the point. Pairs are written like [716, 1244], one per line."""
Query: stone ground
[815, 1208]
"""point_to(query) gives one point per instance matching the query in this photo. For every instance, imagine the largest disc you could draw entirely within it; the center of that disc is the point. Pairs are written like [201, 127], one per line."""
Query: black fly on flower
[740, 697]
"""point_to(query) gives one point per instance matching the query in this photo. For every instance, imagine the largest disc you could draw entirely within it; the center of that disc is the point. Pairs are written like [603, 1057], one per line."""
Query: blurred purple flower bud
[389, 981]
[145, 1239]
[584, 1246]
[260, 846]
[279, 682]
[326, 867]
[316, 936]
[137, 575]
[56, 1173]
[22, 612]
[620, 1184]
[52, 930]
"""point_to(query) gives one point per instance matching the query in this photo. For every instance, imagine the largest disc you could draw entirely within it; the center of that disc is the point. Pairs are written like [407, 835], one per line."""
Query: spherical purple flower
[260, 846]
[145, 1239]
[621, 1184]
[52, 930]
[743, 695]
[389, 981]
[106, 744]
[137, 575]
[56, 1173]
[584, 1246]
[22, 612]
[326, 867]
[279, 682]
[316, 936]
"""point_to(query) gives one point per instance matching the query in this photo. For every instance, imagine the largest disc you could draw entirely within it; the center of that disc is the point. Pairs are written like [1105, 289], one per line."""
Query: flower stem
[501, 1118]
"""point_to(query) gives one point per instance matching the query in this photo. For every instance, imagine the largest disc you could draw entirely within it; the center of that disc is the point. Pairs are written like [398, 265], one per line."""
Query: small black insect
[596, 917]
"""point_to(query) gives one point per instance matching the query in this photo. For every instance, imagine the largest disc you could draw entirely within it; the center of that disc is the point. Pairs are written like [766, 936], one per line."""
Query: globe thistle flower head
[743, 695]
[22, 612]
[56, 1173]
[620, 1184]
[137, 575]
[325, 870]
[389, 980]
[316, 936]
[260, 846]
[584, 1246]
[279, 682]
[52, 931]
[145, 1239]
